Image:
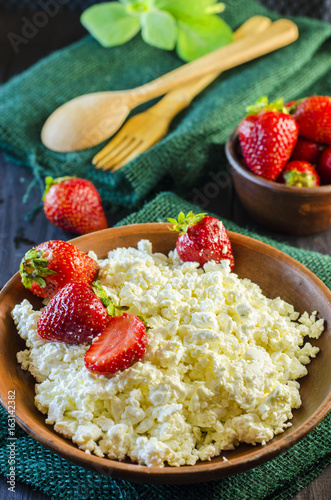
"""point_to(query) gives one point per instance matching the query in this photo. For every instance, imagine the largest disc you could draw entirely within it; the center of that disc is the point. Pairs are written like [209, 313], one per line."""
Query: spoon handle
[279, 34]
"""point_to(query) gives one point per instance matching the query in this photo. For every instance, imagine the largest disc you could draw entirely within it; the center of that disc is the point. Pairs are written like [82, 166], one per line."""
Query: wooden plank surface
[17, 235]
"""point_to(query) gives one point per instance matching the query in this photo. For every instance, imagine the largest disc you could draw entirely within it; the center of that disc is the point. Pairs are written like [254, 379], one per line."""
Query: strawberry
[74, 315]
[313, 115]
[119, 345]
[300, 174]
[48, 267]
[324, 166]
[290, 104]
[202, 238]
[306, 150]
[267, 137]
[73, 204]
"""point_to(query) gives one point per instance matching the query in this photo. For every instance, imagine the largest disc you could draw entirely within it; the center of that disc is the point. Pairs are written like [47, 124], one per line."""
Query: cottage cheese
[220, 366]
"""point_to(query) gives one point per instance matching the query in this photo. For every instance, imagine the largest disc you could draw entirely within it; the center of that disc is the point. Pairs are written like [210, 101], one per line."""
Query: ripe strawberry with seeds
[300, 174]
[202, 238]
[313, 115]
[74, 315]
[306, 150]
[48, 267]
[324, 166]
[267, 137]
[119, 345]
[73, 204]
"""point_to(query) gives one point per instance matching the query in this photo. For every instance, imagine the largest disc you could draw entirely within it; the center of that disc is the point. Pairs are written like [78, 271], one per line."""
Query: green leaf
[110, 23]
[197, 37]
[158, 28]
[185, 221]
[192, 8]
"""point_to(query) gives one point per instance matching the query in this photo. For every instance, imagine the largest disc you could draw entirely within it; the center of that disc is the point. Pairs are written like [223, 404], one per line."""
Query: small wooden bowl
[277, 274]
[287, 209]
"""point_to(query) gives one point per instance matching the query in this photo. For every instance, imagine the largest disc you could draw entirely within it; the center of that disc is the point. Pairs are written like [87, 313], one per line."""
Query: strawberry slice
[119, 345]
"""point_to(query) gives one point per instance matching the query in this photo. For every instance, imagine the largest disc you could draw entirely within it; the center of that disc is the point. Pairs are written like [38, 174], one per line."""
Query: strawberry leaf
[185, 221]
[262, 104]
[33, 268]
[101, 293]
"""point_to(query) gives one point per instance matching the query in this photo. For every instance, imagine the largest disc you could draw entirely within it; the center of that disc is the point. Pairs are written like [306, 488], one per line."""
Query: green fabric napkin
[191, 147]
[278, 479]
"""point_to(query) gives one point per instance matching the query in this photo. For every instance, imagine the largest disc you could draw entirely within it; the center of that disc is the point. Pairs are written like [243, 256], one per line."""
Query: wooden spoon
[89, 119]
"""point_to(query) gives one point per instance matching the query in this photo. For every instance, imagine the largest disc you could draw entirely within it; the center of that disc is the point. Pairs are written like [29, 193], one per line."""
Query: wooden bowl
[287, 209]
[274, 271]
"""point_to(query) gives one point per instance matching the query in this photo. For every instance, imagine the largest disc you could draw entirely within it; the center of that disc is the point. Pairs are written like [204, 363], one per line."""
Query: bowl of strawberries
[281, 164]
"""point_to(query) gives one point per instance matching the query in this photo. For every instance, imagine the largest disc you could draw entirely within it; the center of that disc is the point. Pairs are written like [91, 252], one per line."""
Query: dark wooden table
[17, 235]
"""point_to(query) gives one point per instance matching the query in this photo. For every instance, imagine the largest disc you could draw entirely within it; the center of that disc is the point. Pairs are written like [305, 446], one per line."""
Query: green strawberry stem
[185, 221]
[262, 104]
[101, 293]
[33, 268]
[49, 182]
[112, 310]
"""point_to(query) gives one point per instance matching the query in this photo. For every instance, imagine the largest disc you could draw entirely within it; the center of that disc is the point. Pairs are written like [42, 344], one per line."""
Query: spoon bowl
[85, 121]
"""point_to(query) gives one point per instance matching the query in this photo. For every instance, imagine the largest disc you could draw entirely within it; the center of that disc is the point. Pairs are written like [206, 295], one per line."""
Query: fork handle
[279, 34]
[179, 98]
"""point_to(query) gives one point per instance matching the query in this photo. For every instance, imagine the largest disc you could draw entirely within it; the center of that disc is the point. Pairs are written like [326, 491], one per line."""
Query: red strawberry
[267, 138]
[300, 174]
[73, 204]
[290, 104]
[313, 115]
[48, 267]
[324, 166]
[306, 150]
[74, 315]
[201, 239]
[119, 345]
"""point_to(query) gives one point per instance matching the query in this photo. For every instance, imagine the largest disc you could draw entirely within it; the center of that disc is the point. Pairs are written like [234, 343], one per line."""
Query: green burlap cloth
[180, 159]
[280, 478]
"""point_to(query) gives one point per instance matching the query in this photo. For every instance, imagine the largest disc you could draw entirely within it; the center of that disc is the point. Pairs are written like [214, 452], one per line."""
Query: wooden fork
[145, 129]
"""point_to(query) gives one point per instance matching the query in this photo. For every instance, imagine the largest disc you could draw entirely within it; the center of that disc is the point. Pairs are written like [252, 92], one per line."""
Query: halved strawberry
[202, 238]
[119, 345]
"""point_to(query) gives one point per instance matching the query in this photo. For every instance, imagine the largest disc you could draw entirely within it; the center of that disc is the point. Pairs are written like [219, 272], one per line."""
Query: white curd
[220, 368]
